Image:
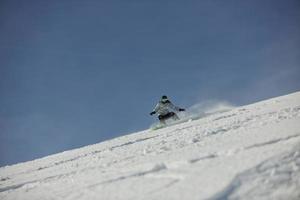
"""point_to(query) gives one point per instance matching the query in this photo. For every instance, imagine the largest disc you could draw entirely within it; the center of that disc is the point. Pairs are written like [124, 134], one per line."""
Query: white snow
[249, 152]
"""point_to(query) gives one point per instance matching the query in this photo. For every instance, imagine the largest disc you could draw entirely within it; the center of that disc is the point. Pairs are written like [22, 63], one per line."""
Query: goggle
[164, 100]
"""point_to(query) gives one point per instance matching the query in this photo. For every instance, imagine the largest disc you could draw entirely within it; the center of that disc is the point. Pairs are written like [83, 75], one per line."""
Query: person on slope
[163, 108]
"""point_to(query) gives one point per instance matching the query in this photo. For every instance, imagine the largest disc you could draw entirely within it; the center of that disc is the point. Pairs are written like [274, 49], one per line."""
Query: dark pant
[162, 118]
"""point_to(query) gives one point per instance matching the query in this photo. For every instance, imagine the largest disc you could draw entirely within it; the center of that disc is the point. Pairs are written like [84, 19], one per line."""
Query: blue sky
[74, 73]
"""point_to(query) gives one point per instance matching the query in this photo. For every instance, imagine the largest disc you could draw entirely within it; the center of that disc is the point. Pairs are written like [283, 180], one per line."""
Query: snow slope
[249, 152]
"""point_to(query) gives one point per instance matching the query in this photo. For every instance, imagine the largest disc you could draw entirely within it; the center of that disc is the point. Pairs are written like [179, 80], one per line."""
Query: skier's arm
[175, 107]
[155, 109]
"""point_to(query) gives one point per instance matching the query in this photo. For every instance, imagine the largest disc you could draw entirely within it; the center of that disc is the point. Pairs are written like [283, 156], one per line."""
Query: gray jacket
[163, 108]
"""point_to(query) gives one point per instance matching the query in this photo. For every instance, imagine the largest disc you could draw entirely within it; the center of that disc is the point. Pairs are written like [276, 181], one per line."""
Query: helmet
[164, 97]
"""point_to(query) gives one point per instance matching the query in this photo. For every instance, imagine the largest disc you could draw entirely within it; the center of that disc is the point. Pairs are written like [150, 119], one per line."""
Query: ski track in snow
[279, 173]
[246, 146]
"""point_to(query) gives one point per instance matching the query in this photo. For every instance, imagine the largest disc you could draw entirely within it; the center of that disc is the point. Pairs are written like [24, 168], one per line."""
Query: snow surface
[249, 152]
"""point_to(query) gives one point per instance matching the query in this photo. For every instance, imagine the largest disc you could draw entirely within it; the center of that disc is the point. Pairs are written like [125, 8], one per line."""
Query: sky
[74, 73]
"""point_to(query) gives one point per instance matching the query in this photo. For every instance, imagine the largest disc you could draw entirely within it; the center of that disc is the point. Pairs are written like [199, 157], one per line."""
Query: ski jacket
[163, 108]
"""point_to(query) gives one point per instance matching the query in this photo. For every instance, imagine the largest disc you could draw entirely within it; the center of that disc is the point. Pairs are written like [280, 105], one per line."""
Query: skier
[163, 109]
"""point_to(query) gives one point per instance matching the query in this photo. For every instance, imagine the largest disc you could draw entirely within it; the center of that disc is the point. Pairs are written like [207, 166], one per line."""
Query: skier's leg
[175, 116]
[162, 119]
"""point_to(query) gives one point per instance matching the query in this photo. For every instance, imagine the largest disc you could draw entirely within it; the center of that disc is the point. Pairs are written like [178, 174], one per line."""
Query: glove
[181, 109]
[152, 113]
